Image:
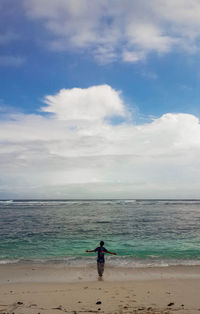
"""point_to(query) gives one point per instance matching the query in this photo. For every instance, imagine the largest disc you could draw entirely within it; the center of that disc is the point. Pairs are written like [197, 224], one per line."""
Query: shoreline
[117, 261]
[17, 273]
[50, 289]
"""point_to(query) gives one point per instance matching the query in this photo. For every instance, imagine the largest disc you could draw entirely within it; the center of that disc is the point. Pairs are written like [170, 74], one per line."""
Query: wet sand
[32, 288]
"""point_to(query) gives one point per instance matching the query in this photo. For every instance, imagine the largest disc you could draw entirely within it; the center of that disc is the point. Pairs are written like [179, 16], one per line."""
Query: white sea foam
[121, 262]
[6, 201]
[9, 261]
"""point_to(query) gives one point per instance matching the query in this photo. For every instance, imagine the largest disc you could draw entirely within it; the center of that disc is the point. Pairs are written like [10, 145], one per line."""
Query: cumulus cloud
[93, 103]
[114, 29]
[76, 151]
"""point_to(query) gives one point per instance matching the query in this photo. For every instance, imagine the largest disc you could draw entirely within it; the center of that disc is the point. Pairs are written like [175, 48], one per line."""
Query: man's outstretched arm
[111, 253]
[90, 251]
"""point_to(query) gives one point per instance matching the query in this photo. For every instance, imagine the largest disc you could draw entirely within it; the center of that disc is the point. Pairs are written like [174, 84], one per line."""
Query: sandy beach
[34, 288]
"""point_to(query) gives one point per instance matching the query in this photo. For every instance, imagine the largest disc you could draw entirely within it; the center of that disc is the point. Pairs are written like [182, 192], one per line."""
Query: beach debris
[170, 304]
[182, 305]
[98, 302]
[57, 308]
[20, 303]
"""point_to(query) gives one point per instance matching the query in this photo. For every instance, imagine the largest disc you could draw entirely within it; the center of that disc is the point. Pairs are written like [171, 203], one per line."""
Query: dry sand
[60, 289]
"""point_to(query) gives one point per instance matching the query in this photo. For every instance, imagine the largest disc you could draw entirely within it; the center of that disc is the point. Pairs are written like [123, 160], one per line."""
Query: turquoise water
[141, 232]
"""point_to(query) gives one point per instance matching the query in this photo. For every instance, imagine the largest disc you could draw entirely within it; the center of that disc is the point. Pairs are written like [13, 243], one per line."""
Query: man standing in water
[100, 257]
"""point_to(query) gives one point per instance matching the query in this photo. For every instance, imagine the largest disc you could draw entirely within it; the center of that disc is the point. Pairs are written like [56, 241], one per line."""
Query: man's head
[101, 243]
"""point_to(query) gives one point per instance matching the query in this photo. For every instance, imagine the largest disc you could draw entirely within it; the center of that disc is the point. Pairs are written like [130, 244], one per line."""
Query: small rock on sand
[170, 304]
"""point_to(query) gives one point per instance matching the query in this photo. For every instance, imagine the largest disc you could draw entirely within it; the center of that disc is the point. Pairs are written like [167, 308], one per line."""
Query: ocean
[143, 233]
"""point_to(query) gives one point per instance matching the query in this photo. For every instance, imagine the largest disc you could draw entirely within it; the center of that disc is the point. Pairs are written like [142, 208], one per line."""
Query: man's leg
[100, 268]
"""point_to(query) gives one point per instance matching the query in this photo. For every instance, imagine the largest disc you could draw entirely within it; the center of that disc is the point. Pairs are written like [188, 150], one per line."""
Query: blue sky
[135, 67]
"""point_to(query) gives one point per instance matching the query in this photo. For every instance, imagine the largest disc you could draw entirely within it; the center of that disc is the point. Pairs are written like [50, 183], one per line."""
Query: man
[100, 257]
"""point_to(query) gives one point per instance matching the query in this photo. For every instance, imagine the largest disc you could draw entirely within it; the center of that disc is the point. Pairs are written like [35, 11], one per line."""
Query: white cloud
[77, 152]
[129, 56]
[115, 29]
[93, 103]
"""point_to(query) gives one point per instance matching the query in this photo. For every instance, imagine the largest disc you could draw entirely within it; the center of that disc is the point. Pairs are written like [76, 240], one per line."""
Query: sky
[99, 99]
